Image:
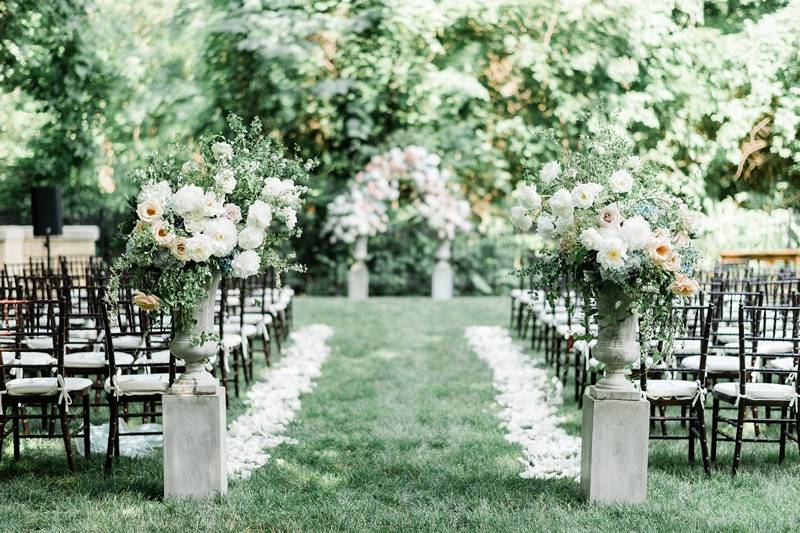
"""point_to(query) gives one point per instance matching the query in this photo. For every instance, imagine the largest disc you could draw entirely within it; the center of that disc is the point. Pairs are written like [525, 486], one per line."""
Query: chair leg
[15, 428]
[62, 415]
[692, 434]
[113, 428]
[700, 411]
[797, 425]
[737, 450]
[662, 410]
[236, 353]
[782, 449]
[714, 427]
[87, 424]
[267, 347]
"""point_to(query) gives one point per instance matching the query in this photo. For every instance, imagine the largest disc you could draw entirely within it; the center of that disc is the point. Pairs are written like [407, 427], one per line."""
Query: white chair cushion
[127, 342]
[660, 389]
[84, 334]
[94, 359]
[39, 343]
[714, 363]
[728, 334]
[230, 340]
[248, 330]
[140, 384]
[515, 293]
[28, 358]
[781, 363]
[44, 386]
[687, 346]
[765, 347]
[257, 318]
[162, 357]
[757, 391]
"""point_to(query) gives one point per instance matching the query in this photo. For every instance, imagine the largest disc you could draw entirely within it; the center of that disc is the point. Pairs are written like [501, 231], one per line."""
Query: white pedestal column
[358, 277]
[614, 450]
[195, 448]
[442, 279]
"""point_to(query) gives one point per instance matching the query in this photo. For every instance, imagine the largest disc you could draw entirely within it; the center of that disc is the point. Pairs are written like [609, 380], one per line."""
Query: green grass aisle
[399, 434]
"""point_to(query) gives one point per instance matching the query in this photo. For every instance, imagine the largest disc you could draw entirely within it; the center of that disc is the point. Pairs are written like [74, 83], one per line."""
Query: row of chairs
[738, 339]
[62, 345]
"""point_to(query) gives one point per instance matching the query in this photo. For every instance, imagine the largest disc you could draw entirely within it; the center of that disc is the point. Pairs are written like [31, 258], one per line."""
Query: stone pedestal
[442, 279]
[358, 276]
[614, 449]
[195, 448]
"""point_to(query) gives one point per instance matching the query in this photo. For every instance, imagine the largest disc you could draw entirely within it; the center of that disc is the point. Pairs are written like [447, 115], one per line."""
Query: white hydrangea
[621, 181]
[591, 239]
[245, 264]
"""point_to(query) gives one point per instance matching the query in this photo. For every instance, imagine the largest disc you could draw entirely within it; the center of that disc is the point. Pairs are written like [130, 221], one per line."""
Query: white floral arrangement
[222, 211]
[363, 211]
[607, 218]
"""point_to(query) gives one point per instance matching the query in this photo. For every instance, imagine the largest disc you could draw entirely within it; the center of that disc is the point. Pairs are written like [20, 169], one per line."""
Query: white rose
[259, 214]
[636, 232]
[613, 254]
[232, 212]
[194, 225]
[520, 218]
[222, 150]
[584, 194]
[150, 210]
[199, 248]
[632, 162]
[222, 233]
[561, 203]
[189, 199]
[245, 264]
[590, 238]
[692, 220]
[528, 197]
[225, 180]
[251, 237]
[289, 216]
[545, 226]
[550, 172]
[621, 182]
[213, 206]
[610, 216]
[159, 191]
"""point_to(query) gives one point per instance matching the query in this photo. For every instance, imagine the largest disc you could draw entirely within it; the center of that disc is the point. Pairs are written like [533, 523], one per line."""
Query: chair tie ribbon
[700, 393]
[63, 394]
[115, 383]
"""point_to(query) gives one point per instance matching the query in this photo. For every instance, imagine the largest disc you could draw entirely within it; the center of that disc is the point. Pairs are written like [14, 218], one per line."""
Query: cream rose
[148, 302]
[659, 251]
[162, 233]
[150, 210]
[178, 249]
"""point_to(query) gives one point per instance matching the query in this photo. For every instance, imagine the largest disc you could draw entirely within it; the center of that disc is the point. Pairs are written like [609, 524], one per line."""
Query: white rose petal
[251, 237]
[545, 226]
[528, 197]
[636, 232]
[550, 171]
[613, 254]
[225, 180]
[590, 238]
[222, 233]
[259, 214]
[584, 194]
[520, 218]
[189, 200]
[199, 248]
[561, 203]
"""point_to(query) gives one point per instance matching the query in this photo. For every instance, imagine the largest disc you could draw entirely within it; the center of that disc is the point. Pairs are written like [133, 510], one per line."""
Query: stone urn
[442, 279]
[358, 276]
[617, 344]
[196, 379]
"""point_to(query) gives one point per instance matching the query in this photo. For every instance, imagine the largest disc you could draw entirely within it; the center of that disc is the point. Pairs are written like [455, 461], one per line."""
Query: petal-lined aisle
[529, 399]
[273, 402]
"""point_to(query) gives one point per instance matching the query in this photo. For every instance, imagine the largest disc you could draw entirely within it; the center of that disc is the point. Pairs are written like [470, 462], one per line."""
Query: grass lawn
[399, 435]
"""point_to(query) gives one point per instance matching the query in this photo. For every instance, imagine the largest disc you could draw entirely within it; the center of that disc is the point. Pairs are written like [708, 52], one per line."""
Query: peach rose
[150, 210]
[659, 250]
[673, 262]
[148, 302]
[684, 286]
[178, 249]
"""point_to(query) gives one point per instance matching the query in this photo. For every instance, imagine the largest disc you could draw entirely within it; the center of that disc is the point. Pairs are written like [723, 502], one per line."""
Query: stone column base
[442, 281]
[195, 448]
[614, 451]
[358, 283]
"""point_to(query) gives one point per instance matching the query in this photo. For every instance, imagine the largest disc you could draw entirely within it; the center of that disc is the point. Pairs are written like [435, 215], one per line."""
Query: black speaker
[46, 211]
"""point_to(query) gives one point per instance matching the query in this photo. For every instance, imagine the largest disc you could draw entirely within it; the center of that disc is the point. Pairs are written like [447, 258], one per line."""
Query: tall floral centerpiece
[616, 234]
[223, 210]
[412, 175]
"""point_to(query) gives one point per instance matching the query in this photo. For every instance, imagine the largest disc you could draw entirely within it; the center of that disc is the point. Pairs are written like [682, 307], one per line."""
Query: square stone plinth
[442, 281]
[615, 436]
[358, 283]
[195, 448]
